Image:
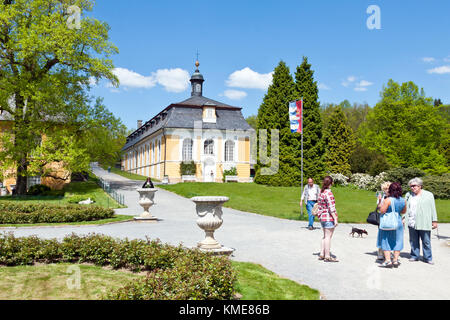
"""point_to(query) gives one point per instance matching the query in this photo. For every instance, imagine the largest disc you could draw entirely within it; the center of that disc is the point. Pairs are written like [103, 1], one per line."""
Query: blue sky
[241, 42]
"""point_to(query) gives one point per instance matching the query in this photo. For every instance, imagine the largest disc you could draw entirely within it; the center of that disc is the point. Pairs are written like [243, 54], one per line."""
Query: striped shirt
[327, 206]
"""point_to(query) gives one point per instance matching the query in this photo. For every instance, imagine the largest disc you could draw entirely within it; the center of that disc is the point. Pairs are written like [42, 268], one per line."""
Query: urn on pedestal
[146, 200]
[209, 210]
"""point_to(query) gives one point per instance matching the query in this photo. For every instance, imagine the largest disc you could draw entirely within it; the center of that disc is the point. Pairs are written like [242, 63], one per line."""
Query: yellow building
[214, 135]
[59, 175]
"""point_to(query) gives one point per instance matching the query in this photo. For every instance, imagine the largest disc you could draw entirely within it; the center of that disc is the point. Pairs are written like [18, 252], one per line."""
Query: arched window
[229, 150]
[209, 147]
[187, 149]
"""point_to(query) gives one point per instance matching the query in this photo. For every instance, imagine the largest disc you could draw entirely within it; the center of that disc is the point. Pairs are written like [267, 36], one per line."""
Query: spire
[197, 81]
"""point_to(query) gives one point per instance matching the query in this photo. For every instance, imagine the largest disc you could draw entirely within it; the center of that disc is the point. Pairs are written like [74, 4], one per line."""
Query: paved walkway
[283, 246]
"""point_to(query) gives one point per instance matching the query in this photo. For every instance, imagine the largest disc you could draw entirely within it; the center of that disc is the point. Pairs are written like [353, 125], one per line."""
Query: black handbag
[374, 217]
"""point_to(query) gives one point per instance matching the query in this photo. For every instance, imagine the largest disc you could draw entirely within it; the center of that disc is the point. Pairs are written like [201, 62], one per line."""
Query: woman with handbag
[391, 225]
[385, 194]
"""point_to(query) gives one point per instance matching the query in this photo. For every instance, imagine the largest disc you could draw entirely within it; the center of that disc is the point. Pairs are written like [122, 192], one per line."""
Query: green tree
[274, 114]
[46, 68]
[104, 135]
[406, 128]
[340, 143]
[252, 121]
[313, 142]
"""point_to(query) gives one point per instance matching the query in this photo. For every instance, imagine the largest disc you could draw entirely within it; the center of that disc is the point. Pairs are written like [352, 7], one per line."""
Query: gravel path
[286, 247]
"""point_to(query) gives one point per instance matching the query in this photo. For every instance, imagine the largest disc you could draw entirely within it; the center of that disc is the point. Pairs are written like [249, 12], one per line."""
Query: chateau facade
[212, 134]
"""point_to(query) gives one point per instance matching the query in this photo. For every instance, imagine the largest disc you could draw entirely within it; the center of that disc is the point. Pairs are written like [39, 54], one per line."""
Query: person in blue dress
[392, 240]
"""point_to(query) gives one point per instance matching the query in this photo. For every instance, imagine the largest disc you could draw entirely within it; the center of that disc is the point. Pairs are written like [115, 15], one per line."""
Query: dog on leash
[360, 232]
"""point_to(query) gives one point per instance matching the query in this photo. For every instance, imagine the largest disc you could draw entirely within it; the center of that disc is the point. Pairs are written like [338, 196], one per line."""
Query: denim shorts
[327, 224]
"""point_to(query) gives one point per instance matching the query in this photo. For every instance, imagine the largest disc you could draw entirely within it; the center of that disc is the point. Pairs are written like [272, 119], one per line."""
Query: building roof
[184, 117]
[201, 101]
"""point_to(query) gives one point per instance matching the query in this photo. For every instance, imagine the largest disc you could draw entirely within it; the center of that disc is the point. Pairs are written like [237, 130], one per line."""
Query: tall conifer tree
[340, 142]
[313, 142]
[274, 114]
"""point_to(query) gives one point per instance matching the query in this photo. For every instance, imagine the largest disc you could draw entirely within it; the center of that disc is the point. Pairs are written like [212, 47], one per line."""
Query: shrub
[188, 168]
[38, 189]
[375, 185]
[438, 185]
[403, 176]
[339, 179]
[361, 180]
[18, 213]
[174, 272]
[230, 172]
[363, 160]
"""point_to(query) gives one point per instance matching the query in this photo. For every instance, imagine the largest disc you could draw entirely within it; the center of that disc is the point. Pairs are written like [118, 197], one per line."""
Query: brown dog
[358, 231]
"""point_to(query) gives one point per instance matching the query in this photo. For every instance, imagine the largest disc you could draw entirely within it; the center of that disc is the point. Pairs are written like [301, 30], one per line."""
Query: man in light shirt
[311, 194]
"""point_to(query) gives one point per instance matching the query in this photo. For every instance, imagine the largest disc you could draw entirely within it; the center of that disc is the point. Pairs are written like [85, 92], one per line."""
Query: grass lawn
[88, 189]
[56, 282]
[353, 205]
[128, 175]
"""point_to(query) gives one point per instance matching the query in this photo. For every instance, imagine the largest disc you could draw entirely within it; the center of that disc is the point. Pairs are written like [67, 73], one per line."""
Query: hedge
[19, 213]
[174, 272]
[438, 185]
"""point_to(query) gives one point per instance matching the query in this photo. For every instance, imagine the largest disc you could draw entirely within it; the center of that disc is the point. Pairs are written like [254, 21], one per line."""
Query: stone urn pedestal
[209, 210]
[146, 200]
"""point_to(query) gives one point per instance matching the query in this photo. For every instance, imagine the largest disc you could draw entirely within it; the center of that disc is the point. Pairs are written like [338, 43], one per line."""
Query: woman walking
[392, 240]
[328, 217]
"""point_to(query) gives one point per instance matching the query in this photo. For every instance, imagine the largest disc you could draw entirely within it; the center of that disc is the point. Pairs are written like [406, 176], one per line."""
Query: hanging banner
[296, 116]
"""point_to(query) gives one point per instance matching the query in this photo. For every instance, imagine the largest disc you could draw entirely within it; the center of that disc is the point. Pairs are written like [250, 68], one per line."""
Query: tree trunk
[21, 181]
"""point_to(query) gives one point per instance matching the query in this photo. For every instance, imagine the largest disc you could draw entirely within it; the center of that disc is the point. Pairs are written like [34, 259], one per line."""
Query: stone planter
[3, 191]
[209, 210]
[165, 180]
[189, 178]
[146, 200]
[231, 179]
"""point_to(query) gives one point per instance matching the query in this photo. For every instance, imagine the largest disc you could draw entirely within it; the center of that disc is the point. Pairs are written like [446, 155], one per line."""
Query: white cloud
[347, 82]
[323, 86]
[360, 89]
[428, 59]
[364, 83]
[132, 79]
[439, 70]
[173, 80]
[235, 94]
[249, 79]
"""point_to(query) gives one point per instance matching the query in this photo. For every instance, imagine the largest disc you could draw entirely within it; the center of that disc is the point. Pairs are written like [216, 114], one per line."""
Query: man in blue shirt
[311, 194]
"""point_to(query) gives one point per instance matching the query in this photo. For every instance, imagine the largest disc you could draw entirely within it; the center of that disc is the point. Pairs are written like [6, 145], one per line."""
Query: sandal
[331, 259]
[395, 264]
[387, 264]
[321, 257]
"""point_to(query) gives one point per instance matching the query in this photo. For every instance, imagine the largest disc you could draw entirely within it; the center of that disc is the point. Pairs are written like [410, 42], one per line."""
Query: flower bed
[174, 272]
[19, 213]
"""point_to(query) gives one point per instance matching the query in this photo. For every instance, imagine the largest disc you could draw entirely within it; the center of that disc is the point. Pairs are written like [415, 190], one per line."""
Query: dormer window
[209, 114]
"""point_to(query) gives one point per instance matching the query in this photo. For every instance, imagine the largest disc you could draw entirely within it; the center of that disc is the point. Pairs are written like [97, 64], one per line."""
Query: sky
[353, 47]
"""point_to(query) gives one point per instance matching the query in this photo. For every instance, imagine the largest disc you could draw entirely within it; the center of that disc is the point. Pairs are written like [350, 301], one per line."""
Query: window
[187, 149]
[209, 147]
[31, 181]
[229, 150]
[159, 151]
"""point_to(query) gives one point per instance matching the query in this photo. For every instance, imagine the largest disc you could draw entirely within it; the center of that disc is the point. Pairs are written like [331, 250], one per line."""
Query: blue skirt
[391, 240]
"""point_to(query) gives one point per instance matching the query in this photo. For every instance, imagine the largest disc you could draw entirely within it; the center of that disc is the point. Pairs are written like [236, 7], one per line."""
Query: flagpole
[302, 154]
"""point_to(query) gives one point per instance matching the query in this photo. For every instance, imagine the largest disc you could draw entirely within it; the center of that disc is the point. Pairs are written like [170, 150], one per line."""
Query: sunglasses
[414, 185]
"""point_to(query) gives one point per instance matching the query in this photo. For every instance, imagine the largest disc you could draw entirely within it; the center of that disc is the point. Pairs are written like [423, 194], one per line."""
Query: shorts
[327, 224]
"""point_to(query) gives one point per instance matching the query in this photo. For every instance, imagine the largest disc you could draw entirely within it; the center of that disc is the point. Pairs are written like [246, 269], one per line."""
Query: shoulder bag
[389, 220]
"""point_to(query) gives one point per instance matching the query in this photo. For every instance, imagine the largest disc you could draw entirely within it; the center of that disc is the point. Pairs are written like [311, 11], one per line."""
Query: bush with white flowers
[361, 180]
[339, 179]
[375, 185]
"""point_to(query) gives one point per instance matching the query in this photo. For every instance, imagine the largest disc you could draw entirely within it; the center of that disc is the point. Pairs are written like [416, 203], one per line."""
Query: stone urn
[209, 210]
[146, 200]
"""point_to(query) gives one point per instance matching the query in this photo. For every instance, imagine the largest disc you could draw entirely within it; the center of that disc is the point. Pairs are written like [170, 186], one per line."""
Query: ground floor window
[31, 181]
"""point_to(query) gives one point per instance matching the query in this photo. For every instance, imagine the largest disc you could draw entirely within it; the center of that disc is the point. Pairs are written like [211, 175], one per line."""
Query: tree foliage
[45, 70]
[406, 128]
[313, 139]
[340, 143]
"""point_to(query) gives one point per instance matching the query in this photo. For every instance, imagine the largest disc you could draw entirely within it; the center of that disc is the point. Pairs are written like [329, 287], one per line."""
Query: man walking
[311, 194]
